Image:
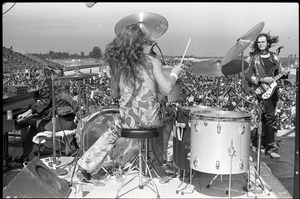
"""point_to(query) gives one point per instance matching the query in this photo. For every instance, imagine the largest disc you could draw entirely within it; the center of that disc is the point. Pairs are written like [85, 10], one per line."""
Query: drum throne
[140, 134]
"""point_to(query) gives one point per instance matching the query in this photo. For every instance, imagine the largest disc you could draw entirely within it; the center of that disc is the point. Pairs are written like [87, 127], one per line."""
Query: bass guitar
[265, 90]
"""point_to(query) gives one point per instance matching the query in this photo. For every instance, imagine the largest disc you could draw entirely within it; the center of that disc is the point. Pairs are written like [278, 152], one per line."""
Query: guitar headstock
[286, 70]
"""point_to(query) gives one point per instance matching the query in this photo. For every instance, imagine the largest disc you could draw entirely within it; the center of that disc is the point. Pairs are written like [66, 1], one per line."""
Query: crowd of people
[197, 90]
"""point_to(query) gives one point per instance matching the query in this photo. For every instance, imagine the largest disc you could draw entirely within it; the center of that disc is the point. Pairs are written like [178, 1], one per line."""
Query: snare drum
[182, 136]
[220, 142]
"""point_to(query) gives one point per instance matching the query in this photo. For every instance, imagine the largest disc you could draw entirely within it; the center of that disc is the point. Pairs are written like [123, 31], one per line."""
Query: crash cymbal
[78, 75]
[243, 43]
[210, 67]
[213, 67]
[154, 24]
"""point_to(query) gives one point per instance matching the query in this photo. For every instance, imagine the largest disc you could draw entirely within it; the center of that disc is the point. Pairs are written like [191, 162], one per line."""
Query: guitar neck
[277, 77]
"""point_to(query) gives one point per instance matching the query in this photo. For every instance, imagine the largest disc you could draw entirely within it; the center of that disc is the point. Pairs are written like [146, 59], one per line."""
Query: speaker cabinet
[36, 180]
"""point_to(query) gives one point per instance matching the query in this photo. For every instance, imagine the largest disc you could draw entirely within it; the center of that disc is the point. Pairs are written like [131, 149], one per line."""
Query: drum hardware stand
[210, 183]
[141, 185]
[257, 187]
[179, 136]
[152, 168]
[187, 184]
[231, 152]
[59, 171]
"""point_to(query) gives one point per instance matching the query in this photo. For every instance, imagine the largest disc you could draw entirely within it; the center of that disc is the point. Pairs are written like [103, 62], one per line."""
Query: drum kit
[195, 127]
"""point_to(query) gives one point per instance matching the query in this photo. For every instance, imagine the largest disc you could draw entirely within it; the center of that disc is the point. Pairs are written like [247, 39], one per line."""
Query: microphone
[222, 97]
[151, 52]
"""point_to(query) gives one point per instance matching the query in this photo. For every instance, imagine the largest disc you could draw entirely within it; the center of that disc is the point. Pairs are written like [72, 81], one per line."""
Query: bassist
[264, 65]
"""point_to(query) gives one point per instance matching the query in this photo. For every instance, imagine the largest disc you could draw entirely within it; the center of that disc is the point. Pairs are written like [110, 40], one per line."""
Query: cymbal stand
[59, 171]
[80, 117]
[243, 75]
[258, 186]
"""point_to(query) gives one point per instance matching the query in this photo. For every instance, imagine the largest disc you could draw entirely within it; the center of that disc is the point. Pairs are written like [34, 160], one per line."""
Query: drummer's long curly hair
[125, 57]
[271, 40]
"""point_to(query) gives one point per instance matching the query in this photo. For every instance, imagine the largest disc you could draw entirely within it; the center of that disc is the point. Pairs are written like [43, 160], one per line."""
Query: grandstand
[22, 61]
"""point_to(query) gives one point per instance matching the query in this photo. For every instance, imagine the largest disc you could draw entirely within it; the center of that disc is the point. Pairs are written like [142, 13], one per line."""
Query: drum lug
[243, 124]
[219, 128]
[195, 162]
[195, 125]
[241, 164]
[187, 146]
[243, 131]
[217, 165]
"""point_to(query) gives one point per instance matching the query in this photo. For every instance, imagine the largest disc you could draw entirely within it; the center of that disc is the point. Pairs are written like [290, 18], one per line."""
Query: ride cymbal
[153, 24]
[78, 75]
[243, 43]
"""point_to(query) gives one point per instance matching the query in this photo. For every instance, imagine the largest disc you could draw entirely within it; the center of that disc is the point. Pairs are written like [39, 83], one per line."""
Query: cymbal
[210, 67]
[234, 67]
[213, 67]
[243, 43]
[78, 75]
[154, 24]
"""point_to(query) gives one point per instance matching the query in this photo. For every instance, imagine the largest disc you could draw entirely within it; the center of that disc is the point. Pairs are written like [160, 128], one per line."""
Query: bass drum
[95, 125]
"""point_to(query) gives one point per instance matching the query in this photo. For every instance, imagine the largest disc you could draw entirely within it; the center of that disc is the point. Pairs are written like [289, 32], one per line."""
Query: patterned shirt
[140, 111]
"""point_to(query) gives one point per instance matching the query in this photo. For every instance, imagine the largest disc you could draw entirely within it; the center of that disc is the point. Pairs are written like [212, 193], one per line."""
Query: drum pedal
[95, 182]
[166, 179]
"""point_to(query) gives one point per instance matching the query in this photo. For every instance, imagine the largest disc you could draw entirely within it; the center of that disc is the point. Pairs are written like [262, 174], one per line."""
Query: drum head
[96, 125]
[221, 114]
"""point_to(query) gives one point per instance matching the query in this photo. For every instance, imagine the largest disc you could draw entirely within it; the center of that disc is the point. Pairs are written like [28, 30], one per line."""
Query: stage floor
[272, 172]
[176, 187]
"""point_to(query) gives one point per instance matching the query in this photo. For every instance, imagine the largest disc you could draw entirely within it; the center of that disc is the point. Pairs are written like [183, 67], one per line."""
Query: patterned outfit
[136, 111]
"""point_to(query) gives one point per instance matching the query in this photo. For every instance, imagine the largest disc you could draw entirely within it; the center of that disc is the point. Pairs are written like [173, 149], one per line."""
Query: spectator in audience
[43, 109]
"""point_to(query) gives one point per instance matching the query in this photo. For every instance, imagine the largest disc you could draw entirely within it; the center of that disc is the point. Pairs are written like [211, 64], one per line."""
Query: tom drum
[220, 142]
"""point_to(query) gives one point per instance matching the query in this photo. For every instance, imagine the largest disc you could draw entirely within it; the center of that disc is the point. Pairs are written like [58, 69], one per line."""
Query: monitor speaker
[36, 180]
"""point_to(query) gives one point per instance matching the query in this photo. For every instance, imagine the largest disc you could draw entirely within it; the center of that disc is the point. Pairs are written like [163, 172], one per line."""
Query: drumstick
[185, 50]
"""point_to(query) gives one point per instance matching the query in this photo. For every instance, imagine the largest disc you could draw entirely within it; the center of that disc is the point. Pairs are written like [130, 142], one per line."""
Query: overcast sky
[212, 27]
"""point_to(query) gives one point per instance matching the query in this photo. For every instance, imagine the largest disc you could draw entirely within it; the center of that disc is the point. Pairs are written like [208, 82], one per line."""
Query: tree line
[95, 53]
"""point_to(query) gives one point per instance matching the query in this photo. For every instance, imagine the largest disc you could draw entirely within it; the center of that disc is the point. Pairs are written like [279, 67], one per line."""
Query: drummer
[136, 80]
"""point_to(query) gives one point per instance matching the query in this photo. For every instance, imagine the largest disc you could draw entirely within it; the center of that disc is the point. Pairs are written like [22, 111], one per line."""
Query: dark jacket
[257, 71]
[63, 101]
